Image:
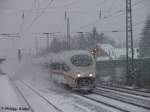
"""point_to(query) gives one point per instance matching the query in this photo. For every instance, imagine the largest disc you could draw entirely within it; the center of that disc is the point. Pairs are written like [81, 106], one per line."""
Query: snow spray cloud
[33, 72]
[147, 5]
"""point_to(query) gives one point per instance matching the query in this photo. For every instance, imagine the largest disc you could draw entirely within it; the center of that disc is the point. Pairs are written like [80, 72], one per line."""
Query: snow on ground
[58, 99]
[70, 102]
[11, 67]
[37, 103]
[38, 76]
[9, 98]
[122, 105]
[125, 97]
[127, 90]
[125, 94]
[92, 105]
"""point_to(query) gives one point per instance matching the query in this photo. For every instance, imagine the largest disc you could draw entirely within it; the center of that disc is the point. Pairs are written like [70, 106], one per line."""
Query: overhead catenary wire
[120, 12]
[111, 15]
[120, 29]
[23, 15]
[111, 6]
[88, 11]
[117, 30]
[104, 18]
[63, 22]
[38, 16]
[35, 10]
[80, 13]
[124, 9]
[69, 4]
[21, 23]
[60, 29]
[95, 22]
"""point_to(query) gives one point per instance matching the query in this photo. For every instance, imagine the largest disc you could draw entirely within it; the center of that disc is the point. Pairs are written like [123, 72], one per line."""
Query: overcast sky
[38, 16]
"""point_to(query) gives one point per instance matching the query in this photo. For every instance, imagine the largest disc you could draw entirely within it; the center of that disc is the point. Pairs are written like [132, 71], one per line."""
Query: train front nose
[85, 83]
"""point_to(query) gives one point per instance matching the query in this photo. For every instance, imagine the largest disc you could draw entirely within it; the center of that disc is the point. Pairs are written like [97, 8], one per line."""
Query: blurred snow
[9, 96]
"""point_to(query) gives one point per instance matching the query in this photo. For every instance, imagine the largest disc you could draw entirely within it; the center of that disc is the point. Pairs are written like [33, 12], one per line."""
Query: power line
[72, 3]
[138, 2]
[120, 12]
[117, 30]
[120, 29]
[105, 17]
[38, 9]
[21, 23]
[96, 21]
[123, 10]
[21, 10]
[63, 22]
[38, 16]
[86, 12]
[114, 13]
[111, 6]
[23, 16]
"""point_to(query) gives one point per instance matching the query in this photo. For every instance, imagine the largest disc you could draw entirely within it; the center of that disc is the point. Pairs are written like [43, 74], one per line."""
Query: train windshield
[81, 60]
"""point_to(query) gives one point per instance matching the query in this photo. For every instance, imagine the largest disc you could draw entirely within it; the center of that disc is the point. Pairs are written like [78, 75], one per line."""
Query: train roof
[73, 52]
[67, 54]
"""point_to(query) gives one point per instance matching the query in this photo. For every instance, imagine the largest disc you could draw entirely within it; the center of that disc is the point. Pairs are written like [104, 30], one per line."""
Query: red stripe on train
[60, 72]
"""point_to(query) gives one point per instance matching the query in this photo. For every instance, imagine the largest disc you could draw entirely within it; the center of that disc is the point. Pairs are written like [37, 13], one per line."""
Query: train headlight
[79, 75]
[90, 75]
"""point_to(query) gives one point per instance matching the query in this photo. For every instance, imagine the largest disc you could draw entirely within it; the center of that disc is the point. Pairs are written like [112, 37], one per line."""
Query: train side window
[65, 67]
[55, 66]
[59, 66]
[52, 66]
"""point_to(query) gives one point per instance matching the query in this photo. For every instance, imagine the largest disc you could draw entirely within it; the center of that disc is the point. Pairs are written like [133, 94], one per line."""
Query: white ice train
[74, 68]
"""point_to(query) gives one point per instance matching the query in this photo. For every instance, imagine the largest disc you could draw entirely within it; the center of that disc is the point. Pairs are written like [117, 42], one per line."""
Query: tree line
[82, 40]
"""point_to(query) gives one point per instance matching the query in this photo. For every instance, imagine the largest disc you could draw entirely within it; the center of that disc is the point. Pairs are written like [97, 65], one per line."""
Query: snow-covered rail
[126, 90]
[41, 100]
[40, 103]
[122, 106]
[139, 101]
[26, 101]
[107, 104]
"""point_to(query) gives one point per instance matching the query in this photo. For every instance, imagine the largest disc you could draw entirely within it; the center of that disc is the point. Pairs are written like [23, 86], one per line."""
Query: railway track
[126, 98]
[85, 96]
[126, 90]
[106, 104]
[26, 101]
[49, 101]
[114, 103]
[39, 95]
[21, 94]
[110, 106]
